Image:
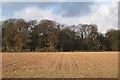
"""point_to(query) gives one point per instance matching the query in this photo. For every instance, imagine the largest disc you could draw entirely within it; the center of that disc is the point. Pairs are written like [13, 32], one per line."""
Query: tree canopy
[19, 35]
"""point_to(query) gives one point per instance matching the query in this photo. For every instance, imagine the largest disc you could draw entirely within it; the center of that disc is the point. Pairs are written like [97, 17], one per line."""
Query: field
[60, 65]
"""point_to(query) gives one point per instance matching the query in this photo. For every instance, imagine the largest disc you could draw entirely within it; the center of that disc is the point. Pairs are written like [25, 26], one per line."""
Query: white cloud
[60, 0]
[33, 13]
[0, 11]
[0, 15]
[29, 0]
[106, 16]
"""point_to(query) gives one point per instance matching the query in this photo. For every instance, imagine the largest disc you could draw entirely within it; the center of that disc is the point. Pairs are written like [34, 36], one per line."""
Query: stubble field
[60, 65]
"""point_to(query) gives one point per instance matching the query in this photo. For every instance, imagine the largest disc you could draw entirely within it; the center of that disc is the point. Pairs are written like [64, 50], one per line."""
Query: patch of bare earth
[60, 65]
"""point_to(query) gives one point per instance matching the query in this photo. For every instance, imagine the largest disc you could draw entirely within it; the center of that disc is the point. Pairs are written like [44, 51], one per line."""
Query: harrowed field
[60, 65]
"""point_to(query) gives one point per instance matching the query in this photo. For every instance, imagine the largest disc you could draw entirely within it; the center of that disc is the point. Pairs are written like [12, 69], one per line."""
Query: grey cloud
[71, 9]
[65, 9]
[8, 8]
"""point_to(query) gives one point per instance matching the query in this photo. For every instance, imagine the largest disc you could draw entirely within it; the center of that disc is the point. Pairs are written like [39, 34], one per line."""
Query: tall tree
[114, 38]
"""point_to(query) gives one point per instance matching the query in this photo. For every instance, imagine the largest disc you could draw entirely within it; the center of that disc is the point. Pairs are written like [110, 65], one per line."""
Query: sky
[102, 13]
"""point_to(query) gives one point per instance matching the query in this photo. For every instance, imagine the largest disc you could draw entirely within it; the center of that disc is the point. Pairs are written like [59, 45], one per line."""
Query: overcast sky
[103, 14]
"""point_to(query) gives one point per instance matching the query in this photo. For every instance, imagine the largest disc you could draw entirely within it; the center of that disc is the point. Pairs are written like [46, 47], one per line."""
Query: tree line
[19, 35]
